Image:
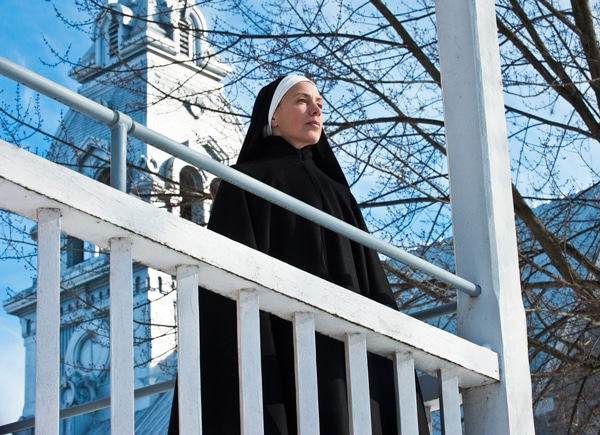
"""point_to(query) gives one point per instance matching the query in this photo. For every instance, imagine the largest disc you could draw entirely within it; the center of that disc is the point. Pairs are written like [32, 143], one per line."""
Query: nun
[285, 147]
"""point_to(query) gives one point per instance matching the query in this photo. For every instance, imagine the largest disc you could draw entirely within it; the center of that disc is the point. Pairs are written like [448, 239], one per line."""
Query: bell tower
[150, 60]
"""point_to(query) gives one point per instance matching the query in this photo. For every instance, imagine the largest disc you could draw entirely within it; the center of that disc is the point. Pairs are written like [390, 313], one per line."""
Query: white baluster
[449, 403]
[251, 403]
[406, 393]
[188, 351]
[357, 373]
[47, 361]
[121, 337]
[306, 374]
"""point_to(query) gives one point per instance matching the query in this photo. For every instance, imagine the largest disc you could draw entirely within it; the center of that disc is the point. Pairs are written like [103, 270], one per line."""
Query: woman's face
[299, 117]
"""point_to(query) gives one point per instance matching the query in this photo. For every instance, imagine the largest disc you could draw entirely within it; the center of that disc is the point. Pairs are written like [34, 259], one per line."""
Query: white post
[121, 337]
[251, 400]
[188, 351]
[482, 212]
[357, 374]
[406, 393]
[449, 403]
[305, 359]
[48, 323]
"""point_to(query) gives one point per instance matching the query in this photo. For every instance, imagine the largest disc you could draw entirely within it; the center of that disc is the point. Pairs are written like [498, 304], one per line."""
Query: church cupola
[174, 30]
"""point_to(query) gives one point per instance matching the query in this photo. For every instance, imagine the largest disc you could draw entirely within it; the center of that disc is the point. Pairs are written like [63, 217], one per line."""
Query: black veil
[273, 230]
[252, 147]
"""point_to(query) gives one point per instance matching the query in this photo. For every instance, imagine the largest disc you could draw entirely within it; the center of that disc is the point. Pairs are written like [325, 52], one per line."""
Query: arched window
[74, 251]
[192, 198]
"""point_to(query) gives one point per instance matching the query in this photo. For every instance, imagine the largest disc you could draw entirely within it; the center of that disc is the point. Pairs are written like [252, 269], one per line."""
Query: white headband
[283, 86]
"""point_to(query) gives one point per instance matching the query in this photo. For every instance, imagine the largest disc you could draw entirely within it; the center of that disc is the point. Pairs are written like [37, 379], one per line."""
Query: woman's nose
[315, 109]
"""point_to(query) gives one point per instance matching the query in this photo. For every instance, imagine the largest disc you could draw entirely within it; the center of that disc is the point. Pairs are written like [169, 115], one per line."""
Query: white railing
[61, 200]
[122, 126]
[494, 386]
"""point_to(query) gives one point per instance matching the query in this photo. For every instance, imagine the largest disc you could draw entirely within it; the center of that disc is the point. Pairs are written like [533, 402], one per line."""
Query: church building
[150, 60]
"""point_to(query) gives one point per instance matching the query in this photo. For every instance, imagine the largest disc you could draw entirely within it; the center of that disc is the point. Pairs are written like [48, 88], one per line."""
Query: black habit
[312, 175]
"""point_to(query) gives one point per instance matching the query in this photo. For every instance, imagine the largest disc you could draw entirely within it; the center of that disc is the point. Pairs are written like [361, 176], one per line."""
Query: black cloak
[314, 176]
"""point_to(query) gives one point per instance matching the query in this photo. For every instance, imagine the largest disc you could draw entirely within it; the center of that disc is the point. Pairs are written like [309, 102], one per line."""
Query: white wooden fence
[61, 200]
[494, 385]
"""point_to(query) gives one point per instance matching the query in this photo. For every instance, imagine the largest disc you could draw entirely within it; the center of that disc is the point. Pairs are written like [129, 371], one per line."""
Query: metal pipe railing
[435, 312]
[110, 117]
[118, 151]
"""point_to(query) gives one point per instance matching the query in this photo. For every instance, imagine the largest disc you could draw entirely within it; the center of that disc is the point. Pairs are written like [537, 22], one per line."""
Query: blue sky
[23, 26]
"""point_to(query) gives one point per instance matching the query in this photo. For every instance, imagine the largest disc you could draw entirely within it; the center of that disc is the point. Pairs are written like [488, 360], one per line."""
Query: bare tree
[377, 67]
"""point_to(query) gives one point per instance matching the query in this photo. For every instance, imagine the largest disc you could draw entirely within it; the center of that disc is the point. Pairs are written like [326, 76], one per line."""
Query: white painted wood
[162, 241]
[449, 403]
[98, 213]
[172, 147]
[47, 360]
[188, 351]
[357, 374]
[305, 355]
[482, 212]
[121, 337]
[251, 403]
[406, 394]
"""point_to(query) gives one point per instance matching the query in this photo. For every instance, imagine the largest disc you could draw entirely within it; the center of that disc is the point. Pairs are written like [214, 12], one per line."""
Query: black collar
[276, 146]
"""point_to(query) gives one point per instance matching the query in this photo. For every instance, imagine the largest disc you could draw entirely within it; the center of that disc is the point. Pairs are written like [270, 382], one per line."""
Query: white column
[47, 362]
[406, 394]
[482, 212]
[449, 403]
[357, 373]
[251, 402]
[188, 351]
[305, 356]
[121, 337]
